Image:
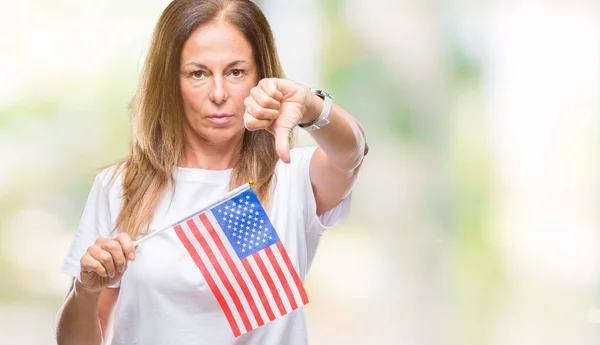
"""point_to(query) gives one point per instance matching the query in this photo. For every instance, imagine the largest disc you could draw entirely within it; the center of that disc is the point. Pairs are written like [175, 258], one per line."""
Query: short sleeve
[301, 158]
[95, 222]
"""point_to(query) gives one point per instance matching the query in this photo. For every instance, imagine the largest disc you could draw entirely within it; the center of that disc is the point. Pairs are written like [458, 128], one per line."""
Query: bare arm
[342, 146]
[84, 316]
[278, 105]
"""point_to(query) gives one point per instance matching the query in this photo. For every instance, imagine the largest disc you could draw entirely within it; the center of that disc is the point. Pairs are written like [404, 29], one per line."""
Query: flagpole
[224, 197]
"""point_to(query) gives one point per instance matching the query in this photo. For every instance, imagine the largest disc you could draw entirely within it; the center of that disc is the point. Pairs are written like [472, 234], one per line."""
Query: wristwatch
[321, 121]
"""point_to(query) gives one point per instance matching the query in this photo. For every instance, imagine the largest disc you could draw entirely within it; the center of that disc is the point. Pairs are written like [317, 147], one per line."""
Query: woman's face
[217, 73]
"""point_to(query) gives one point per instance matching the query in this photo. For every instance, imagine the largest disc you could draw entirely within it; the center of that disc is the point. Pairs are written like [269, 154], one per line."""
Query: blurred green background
[475, 220]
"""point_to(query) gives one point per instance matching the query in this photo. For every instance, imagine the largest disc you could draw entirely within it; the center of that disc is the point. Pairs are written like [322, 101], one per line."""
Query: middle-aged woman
[212, 112]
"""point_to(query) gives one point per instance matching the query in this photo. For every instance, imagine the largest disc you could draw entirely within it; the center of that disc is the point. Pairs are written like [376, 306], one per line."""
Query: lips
[219, 118]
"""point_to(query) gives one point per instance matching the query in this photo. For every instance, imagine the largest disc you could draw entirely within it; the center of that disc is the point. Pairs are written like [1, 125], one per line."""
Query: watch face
[320, 93]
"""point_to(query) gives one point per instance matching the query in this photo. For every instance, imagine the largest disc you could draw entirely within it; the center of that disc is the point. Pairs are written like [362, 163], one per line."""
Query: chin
[219, 135]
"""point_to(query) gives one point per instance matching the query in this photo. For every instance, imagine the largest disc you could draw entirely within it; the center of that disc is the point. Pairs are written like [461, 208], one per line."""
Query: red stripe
[232, 267]
[211, 283]
[293, 272]
[220, 273]
[282, 279]
[267, 277]
[259, 289]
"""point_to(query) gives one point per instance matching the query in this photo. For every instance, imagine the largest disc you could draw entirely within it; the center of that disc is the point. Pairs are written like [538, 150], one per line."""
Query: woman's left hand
[279, 105]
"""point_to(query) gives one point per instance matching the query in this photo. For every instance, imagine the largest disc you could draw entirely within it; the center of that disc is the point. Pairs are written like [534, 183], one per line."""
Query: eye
[237, 72]
[197, 74]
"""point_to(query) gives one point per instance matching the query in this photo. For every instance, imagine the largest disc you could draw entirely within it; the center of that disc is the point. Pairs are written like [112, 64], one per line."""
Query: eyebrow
[199, 65]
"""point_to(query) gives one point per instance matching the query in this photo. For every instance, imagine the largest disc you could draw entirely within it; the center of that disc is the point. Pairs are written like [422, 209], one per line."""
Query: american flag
[238, 252]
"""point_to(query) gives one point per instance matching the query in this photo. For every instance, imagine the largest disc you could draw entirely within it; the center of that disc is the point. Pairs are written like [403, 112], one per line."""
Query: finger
[127, 245]
[270, 130]
[116, 251]
[253, 124]
[104, 258]
[270, 88]
[89, 264]
[259, 112]
[262, 99]
[282, 143]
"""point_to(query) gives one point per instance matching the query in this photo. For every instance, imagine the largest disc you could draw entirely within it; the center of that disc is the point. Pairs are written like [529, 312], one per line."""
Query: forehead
[216, 43]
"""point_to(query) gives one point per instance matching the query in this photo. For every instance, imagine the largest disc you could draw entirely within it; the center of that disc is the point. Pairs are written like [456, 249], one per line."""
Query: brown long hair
[157, 109]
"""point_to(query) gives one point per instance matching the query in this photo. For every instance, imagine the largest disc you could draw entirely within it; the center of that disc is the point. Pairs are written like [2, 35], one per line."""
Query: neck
[203, 154]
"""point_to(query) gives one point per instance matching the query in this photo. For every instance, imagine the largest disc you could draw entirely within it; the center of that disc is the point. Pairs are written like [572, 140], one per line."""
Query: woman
[211, 113]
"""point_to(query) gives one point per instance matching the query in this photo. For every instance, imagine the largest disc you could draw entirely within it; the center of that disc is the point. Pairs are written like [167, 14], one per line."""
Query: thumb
[282, 143]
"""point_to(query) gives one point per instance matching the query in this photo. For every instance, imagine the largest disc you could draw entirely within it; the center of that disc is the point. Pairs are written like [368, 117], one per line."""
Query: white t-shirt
[163, 298]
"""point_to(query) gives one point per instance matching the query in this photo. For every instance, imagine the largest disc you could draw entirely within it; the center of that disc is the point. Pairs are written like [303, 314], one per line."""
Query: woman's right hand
[104, 262]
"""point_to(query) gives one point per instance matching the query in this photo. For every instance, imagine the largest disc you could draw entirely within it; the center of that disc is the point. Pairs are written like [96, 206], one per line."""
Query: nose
[218, 94]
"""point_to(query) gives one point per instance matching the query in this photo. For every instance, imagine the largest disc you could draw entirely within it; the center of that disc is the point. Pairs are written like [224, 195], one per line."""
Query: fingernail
[131, 256]
[121, 269]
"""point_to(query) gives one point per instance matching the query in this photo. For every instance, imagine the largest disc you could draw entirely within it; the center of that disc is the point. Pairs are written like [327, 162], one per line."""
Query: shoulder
[299, 160]
[110, 179]
[293, 179]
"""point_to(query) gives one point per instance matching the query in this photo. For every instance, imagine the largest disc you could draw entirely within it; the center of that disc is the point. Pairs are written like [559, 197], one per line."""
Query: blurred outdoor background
[476, 219]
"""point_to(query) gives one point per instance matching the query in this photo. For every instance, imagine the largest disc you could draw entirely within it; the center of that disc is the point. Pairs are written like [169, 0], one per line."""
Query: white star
[224, 218]
[260, 226]
[230, 221]
[225, 212]
[240, 206]
[243, 250]
[252, 236]
[246, 233]
[261, 221]
[245, 239]
[246, 208]
[231, 215]
[237, 218]
[252, 205]
[264, 241]
[227, 207]
[270, 237]
[221, 211]
[250, 247]
[247, 196]
[259, 232]
[228, 226]
[238, 242]
[233, 203]
[244, 244]
[246, 203]
[244, 214]
[253, 230]
[254, 224]
[236, 223]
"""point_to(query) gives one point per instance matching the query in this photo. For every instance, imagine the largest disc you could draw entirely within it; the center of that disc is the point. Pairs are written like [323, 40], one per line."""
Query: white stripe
[228, 272]
[265, 286]
[288, 276]
[276, 281]
[245, 277]
[214, 275]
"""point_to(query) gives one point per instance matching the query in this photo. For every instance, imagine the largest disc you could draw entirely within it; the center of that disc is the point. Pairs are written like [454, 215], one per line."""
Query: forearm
[78, 322]
[343, 139]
